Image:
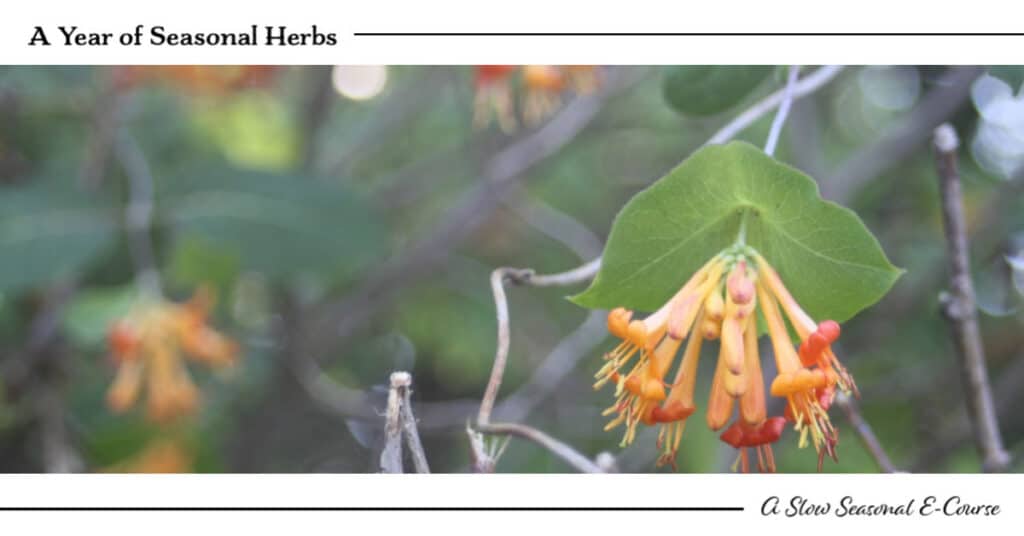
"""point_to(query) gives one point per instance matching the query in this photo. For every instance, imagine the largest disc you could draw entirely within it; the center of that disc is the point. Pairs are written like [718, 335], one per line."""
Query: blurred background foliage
[310, 199]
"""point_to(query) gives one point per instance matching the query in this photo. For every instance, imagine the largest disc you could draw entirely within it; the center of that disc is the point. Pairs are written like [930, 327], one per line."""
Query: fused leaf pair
[737, 207]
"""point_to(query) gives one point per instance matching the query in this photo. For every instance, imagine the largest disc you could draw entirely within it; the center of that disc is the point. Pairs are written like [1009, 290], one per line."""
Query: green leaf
[195, 261]
[826, 257]
[279, 225]
[49, 231]
[702, 90]
[92, 311]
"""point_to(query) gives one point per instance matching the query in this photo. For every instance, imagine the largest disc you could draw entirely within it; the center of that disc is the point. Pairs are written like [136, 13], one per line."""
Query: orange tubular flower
[196, 79]
[148, 348]
[655, 341]
[494, 97]
[720, 302]
[539, 93]
[544, 85]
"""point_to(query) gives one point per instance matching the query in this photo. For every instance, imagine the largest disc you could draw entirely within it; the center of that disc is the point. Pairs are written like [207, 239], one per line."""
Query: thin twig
[139, 213]
[960, 309]
[391, 456]
[482, 461]
[398, 422]
[780, 117]
[865, 433]
[519, 276]
[556, 447]
[412, 435]
[806, 85]
[501, 353]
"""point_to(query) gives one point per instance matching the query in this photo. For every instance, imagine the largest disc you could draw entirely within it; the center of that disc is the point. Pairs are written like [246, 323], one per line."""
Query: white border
[748, 491]
[347, 17]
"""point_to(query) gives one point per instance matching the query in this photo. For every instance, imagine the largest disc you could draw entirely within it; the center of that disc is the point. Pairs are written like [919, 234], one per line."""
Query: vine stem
[780, 116]
[805, 86]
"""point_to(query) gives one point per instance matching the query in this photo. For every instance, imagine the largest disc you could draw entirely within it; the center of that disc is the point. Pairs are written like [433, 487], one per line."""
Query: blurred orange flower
[198, 79]
[148, 346]
[542, 90]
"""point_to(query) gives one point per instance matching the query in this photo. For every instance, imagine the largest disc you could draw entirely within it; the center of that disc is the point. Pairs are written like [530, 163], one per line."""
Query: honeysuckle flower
[541, 90]
[720, 302]
[196, 79]
[493, 98]
[148, 347]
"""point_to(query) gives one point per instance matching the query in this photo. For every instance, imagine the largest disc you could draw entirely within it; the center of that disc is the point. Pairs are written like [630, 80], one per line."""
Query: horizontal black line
[688, 34]
[369, 508]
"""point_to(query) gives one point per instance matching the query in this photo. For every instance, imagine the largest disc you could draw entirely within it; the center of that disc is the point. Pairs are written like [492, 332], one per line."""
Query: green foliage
[49, 230]
[828, 259]
[276, 224]
[253, 129]
[701, 90]
[92, 311]
[195, 261]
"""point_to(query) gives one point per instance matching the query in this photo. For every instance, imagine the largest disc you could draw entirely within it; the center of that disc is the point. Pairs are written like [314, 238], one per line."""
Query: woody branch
[959, 308]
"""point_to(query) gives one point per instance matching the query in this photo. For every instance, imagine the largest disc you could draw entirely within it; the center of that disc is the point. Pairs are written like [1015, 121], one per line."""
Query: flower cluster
[542, 88]
[196, 79]
[721, 301]
[148, 346]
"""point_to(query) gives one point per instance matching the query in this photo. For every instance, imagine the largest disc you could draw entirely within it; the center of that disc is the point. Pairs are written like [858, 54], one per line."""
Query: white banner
[510, 504]
[459, 32]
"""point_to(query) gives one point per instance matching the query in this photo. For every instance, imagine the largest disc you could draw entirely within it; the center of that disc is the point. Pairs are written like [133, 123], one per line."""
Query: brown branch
[865, 433]
[412, 435]
[398, 422]
[391, 455]
[960, 309]
[484, 462]
[528, 277]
